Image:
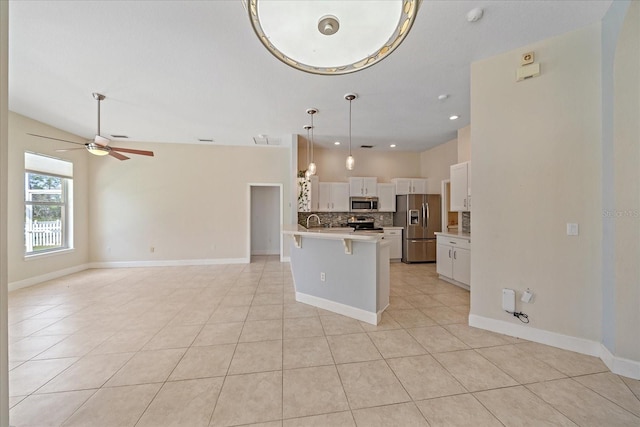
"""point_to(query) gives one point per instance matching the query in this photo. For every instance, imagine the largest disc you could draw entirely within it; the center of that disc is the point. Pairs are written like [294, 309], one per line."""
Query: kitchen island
[340, 270]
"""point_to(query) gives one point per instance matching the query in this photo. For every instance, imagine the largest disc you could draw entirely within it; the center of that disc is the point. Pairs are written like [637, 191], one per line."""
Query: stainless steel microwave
[363, 204]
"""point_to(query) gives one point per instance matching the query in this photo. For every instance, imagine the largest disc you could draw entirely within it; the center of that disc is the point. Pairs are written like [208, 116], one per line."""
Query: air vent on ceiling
[120, 136]
[366, 146]
[266, 140]
[205, 140]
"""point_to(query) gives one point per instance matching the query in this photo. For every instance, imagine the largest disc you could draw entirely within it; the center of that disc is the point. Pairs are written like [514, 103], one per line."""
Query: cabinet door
[444, 260]
[340, 197]
[386, 198]
[403, 186]
[355, 187]
[324, 197]
[462, 265]
[419, 186]
[370, 186]
[314, 202]
[458, 195]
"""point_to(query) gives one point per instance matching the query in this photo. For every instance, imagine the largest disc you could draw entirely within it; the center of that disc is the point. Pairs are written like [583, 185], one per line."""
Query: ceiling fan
[99, 144]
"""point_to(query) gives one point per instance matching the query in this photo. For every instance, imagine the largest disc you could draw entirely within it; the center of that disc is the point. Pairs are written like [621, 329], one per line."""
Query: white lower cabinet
[394, 235]
[454, 258]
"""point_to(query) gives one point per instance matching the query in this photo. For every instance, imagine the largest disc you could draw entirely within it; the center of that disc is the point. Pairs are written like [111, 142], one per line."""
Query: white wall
[384, 165]
[19, 142]
[464, 144]
[189, 202]
[265, 220]
[626, 215]
[435, 162]
[536, 166]
[4, 142]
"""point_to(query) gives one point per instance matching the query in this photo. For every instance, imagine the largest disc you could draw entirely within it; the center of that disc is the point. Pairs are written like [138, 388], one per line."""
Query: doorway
[265, 201]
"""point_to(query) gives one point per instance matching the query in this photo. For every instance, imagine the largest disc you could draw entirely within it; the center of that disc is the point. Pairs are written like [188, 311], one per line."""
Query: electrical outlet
[527, 296]
[508, 300]
[322, 277]
[152, 249]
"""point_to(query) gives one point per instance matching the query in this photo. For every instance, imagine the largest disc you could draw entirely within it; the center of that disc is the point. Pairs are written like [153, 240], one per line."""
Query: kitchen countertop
[331, 233]
[454, 233]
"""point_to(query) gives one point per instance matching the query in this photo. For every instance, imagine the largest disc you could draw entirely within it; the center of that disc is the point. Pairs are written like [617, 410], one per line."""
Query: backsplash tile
[466, 222]
[339, 219]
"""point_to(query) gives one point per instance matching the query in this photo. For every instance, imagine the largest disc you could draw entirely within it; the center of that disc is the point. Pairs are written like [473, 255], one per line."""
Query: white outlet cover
[572, 229]
[509, 300]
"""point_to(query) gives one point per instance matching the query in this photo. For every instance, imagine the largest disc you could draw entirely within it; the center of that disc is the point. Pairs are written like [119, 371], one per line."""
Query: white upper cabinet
[363, 186]
[410, 185]
[386, 198]
[333, 197]
[460, 187]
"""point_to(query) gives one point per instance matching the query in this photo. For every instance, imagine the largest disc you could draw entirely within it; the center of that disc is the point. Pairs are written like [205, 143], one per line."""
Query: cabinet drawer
[392, 232]
[457, 242]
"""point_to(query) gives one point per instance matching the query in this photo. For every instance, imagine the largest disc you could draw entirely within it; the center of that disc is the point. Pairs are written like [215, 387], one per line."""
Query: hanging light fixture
[339, 36]
[351, 162]
[312, 166]
[307, 173]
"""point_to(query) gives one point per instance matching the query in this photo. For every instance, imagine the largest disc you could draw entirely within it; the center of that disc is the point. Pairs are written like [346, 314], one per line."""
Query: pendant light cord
[350, 126]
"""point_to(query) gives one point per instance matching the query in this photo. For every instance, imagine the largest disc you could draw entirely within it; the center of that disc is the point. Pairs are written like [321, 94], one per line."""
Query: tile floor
[228, 345]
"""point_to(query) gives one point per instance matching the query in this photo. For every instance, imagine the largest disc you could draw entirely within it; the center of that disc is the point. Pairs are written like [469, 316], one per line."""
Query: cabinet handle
[332, 205]
[465, 203]
[449, 253]
[454, 255]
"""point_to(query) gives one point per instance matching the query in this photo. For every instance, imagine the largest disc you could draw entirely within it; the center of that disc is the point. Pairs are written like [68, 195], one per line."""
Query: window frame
[66, 208]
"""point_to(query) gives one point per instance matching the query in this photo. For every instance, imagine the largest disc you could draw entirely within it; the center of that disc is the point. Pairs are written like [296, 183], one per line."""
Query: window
[48, 190]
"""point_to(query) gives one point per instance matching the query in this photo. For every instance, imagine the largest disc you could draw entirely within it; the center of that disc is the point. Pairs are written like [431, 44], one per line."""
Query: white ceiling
[177, 71]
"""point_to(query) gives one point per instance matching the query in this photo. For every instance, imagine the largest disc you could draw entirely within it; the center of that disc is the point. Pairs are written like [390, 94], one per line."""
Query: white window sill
[35, 256]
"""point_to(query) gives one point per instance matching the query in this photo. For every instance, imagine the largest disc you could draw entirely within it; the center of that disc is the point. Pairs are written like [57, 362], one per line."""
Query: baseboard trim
[285, 259]
[617, 365]
[336, 307]
[168, 263]
[35, 280]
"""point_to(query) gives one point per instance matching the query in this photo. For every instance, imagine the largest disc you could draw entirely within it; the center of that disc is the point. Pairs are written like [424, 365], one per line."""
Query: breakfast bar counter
[340, 270]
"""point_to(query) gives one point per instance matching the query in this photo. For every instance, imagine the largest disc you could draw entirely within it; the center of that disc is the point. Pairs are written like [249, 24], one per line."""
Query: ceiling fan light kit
[98, 146]
[333, 32]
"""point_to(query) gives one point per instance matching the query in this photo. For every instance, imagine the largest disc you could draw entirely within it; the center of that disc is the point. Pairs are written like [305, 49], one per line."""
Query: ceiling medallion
[331, 37]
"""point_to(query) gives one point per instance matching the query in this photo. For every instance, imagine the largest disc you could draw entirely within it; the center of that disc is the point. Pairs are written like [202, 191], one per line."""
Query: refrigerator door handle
[424, 218]
[427, 217]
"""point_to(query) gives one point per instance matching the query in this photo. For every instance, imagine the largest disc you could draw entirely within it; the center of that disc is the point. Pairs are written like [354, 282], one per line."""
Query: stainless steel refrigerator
[420, 216]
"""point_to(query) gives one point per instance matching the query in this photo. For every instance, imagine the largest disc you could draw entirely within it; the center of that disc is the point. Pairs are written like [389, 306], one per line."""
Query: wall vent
[366, 146]
[120, 136]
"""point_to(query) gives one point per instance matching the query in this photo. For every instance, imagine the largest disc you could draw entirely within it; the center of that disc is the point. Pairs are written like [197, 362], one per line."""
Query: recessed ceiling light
[443, 97]
[454, 117]
[393, 146]
[336, 143]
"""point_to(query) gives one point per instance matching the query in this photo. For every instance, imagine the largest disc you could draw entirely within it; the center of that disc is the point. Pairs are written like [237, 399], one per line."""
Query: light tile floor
[228, 345]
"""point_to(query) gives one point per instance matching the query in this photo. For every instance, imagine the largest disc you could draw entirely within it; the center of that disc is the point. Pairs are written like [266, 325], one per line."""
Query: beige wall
[384, 165]
[464, 144]
[536, 166]
[19, 142]
[189, 202]
[435, 162]
[627, 186]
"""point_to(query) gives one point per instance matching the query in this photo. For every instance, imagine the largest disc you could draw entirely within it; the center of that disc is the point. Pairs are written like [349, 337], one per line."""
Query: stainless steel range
[363, 224]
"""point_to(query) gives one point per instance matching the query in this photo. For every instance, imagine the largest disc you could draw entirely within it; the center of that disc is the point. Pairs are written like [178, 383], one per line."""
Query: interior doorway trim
[280, 189]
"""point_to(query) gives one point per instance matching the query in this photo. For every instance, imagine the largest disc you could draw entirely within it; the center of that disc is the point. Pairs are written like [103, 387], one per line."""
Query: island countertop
[335, 233]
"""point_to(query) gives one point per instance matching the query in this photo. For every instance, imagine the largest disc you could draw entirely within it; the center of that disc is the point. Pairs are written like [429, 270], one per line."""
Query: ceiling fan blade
[62, 150]
[55, 139]
[132, 151]
[101, 140]
[118, 155]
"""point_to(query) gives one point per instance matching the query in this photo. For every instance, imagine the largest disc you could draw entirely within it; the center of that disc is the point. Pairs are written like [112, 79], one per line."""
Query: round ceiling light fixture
[475, 14]
[332, 37]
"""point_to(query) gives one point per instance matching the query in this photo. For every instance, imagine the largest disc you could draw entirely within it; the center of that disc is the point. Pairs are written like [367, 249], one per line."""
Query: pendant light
[351, 162]
[312, 166]
[307, 173]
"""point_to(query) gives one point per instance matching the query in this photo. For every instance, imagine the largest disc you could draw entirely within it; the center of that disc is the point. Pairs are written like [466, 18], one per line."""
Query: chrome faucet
[311, 216]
